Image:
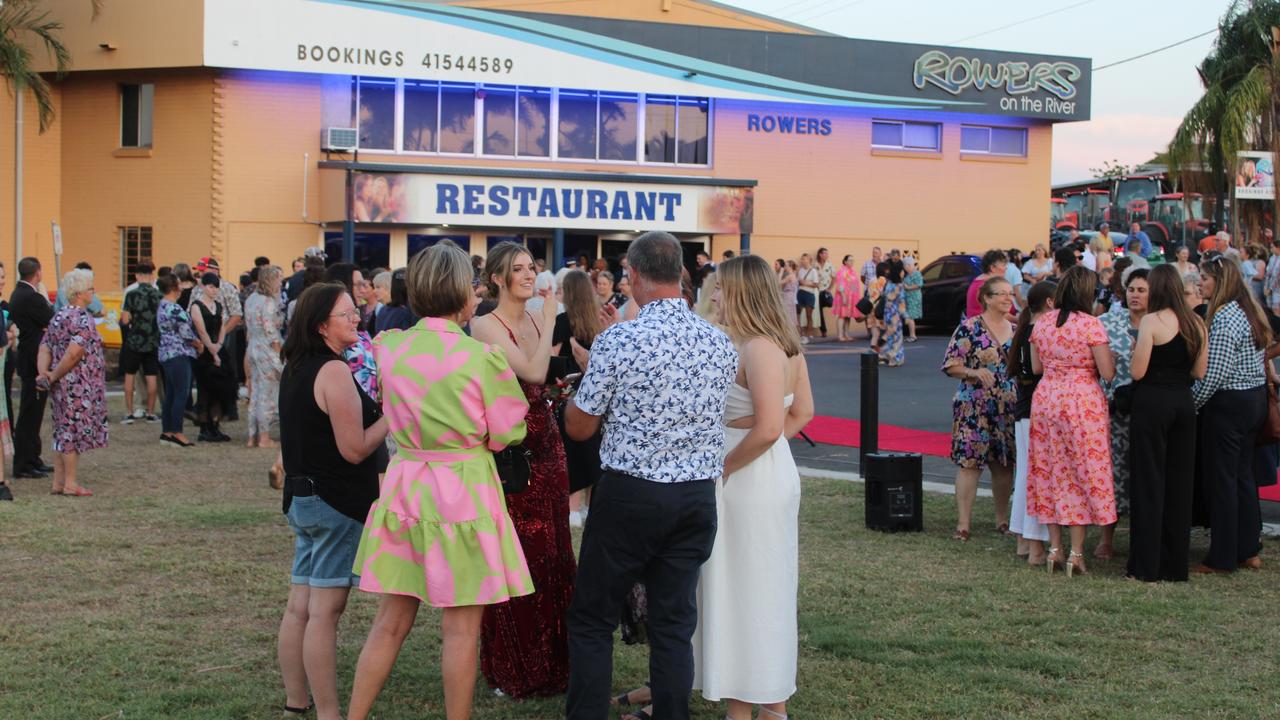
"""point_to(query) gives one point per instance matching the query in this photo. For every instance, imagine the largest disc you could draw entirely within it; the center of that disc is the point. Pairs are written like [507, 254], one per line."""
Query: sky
[1136, 105]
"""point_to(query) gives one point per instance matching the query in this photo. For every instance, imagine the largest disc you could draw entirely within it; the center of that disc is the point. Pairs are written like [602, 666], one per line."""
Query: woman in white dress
[746, 643]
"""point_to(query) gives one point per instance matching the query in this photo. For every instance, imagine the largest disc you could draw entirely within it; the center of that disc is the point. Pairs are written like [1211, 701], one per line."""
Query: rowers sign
[426, 199]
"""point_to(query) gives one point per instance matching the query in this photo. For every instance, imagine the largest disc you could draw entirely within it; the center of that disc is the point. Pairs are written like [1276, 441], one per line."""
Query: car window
[956, 269]
[933, 272]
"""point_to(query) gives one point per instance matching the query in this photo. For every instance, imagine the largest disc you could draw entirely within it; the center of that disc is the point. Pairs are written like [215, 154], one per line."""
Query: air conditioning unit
[339, 139]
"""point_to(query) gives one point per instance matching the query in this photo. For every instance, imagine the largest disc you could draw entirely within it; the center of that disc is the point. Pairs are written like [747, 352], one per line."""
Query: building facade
[237, 128]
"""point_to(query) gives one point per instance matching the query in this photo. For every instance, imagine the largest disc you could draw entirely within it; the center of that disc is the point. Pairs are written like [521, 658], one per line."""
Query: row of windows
[420, 116]
[978, 139]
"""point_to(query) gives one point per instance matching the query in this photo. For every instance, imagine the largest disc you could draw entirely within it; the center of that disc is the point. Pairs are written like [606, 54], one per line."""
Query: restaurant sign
[429, 199]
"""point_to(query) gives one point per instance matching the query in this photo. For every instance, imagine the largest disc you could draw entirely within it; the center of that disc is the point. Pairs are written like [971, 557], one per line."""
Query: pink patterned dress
[439, 530]
[79, 397]
[846, 290]
[1069, 473]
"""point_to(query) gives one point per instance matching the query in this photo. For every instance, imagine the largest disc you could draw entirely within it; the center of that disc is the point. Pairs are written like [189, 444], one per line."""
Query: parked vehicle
[946, 281]
[1175, 219]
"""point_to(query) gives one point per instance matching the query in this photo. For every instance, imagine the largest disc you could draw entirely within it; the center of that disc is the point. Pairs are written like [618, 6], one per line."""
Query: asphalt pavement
[916, 395]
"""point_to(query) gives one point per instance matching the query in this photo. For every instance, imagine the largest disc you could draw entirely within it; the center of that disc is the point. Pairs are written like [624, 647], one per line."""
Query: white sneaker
[804, 339]
[139, 413]
[575, 518]
[243, 393]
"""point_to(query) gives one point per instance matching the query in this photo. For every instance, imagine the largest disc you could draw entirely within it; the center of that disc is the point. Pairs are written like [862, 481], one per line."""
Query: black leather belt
[300, 485]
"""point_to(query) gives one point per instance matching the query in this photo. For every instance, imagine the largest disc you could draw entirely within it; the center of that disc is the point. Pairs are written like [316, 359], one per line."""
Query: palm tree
[1236, 111]
[24, 23]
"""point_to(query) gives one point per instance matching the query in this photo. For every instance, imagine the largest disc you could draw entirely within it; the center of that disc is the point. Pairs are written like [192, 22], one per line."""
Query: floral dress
[439, 530]
[847, 290]
[915, 298]
[79, 397]
[982, 426]
[1069, 474]
[895, 309]
[1120, 336]
[263, 321]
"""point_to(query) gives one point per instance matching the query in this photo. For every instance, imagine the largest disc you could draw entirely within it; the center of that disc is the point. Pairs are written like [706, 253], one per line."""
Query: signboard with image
[1255, 176]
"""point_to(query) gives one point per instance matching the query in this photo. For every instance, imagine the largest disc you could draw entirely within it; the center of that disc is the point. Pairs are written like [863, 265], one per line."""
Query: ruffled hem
[473, 562]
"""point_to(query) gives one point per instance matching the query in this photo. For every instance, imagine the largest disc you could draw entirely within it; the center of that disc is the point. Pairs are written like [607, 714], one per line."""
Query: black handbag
[513, 468]
[1122, 400]
[825, 299]
[879, 308]
[864, 305]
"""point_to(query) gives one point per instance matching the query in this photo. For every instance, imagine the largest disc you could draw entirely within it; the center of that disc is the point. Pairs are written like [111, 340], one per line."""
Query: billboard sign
[466, 200]
[1255, 176]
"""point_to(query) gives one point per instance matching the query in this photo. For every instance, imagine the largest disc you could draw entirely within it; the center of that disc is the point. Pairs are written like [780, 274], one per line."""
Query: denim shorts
[325, 544]
[805, 299]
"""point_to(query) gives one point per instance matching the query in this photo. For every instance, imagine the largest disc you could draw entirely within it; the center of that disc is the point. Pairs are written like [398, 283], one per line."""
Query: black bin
[894, 487]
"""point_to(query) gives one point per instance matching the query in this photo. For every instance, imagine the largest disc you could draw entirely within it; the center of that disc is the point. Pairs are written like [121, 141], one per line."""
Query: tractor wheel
[1157, 235]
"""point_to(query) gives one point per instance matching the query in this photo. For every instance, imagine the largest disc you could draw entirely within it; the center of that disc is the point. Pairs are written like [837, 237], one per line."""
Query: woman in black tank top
[1162, 431]
[329, 430]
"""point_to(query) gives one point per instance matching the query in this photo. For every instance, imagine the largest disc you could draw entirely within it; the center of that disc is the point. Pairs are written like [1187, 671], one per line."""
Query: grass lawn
[160, 598]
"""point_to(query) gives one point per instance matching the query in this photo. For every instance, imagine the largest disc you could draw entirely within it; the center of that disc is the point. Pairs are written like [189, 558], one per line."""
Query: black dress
[1162, 456]
[583, 456]
[216, 382]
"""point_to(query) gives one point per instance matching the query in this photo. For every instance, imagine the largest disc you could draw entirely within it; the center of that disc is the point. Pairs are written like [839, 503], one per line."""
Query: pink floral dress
[1069, 473]
[847, 290]
[79, 397]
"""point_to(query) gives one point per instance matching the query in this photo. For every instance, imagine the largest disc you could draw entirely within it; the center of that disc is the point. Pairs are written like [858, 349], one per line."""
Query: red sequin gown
[524, 644]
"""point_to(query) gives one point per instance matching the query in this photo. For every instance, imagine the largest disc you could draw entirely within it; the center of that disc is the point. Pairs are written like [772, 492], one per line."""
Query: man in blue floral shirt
[658, 386]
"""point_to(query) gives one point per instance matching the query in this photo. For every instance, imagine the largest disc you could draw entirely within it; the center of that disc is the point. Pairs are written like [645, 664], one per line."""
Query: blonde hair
[752, 303]
[267, 274]
[438, 281]
[499, 261]
[703, 307]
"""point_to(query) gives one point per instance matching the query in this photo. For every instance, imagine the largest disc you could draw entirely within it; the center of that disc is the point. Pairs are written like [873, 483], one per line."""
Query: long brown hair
[1037, 298]
[498, 261]
[1075, 293]
[581, 306]
[1229, 287]
[1165, 293]
[752, 303]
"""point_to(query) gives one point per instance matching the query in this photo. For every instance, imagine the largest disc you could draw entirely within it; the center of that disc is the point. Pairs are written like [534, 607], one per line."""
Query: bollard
[869, 414]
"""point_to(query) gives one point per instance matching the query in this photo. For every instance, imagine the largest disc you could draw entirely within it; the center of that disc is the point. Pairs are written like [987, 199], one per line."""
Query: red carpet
[840, 431]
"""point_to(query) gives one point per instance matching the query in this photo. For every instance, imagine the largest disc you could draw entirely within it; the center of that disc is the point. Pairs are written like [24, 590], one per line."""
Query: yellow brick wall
[42, 197]
[169, 190]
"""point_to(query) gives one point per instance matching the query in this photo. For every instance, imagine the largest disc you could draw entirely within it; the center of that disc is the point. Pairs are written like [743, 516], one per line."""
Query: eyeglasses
[1000, 294]
[353, 315]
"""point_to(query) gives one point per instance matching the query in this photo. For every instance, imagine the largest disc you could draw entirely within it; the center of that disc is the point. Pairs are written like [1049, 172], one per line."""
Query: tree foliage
[1236, 110]
[25, 24]
[1111, 169]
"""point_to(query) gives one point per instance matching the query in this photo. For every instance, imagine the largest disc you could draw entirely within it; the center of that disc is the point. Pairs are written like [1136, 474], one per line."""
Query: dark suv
[946, 281]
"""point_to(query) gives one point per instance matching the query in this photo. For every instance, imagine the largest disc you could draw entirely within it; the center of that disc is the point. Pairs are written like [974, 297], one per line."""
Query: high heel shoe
[1072, 567]
[1053, 559]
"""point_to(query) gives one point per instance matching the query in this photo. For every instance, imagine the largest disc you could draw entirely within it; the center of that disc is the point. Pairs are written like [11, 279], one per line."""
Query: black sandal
[290, 710]
[624, 700]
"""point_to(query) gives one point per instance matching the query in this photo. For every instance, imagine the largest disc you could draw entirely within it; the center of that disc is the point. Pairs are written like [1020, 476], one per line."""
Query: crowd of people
[1125, 386]
[676, 425]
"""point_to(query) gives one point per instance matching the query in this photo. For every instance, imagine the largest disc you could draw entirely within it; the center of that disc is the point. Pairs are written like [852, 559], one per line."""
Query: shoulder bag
[864, 305]
[513, 468]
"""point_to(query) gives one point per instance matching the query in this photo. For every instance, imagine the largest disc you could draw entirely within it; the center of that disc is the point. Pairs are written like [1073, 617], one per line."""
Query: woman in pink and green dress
[439, 532]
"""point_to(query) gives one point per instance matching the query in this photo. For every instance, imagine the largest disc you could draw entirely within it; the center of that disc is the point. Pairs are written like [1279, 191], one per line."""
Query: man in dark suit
[30, 310]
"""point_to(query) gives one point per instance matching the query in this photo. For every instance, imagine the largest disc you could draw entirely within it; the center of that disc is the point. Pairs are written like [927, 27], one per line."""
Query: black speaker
[894, 487]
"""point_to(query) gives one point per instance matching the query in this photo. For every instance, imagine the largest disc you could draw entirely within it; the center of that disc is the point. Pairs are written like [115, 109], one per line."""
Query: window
[135, 246]
[660, 128]
[377, 116]
[577, 131]
[533, 134]
[499, 120]
[618, 126]
[371, 249]
[905, 135]
[933, 272]
[691, 118]
[457, 118]
[418, 243]
[421, 115]
[993, 140]
[135, 115]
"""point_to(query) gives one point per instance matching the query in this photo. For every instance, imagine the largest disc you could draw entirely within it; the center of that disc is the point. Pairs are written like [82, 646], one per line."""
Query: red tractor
[1175, 219]
[1083, 209]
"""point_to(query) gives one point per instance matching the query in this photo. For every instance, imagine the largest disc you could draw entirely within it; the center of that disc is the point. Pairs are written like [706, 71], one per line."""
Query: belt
[300, 485]
[439, 456]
